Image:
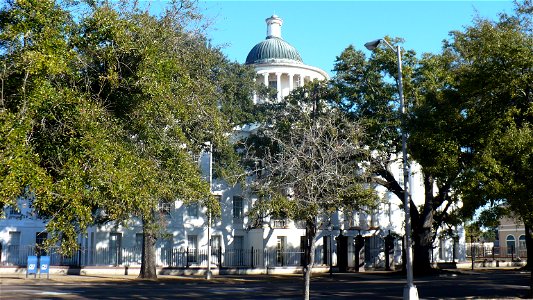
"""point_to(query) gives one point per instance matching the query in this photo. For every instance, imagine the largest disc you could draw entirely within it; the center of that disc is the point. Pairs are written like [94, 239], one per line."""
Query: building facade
[512, 237]
[352, 240]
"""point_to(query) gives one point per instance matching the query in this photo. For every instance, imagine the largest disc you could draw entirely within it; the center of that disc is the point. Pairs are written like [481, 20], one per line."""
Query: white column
[291, 83]
[278, 85]
[255, 94]
[265, 78]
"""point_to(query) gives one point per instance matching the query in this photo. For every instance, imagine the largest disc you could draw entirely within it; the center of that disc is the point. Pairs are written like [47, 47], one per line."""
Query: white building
[236, 242]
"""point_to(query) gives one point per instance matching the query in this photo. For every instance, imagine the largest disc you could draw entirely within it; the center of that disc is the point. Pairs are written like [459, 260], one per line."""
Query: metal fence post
[252, 258]
[219, 257]
[187, 257]
[79, 257]
[473, 253]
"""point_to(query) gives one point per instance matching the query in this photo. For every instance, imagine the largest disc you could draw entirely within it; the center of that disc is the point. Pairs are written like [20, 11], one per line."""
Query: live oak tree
[103, 114]
[494, 77]
[155, 78]
[496, 86]
[312, 163]
[469, 120]
[369, 94]
[59, 147]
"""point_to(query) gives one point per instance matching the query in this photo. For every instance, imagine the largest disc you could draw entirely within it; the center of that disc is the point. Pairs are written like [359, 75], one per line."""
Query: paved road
[493, 284]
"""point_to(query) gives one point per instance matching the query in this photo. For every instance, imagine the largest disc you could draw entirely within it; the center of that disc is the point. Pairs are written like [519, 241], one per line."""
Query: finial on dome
[274, 26]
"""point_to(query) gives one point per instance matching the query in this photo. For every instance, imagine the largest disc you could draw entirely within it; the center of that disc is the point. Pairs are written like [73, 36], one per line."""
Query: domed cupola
[273, 49]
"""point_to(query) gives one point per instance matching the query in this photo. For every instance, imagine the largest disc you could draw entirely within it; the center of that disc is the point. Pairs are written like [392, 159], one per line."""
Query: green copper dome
[273, 49]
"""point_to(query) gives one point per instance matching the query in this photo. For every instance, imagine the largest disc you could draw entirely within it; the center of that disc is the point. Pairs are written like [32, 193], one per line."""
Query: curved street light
[409, 291]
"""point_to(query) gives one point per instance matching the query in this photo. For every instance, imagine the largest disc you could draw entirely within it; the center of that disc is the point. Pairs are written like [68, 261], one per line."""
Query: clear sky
[320, 30]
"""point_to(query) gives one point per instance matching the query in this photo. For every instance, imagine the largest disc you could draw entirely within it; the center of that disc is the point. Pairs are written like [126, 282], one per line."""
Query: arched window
[510, 244]
[522, 242]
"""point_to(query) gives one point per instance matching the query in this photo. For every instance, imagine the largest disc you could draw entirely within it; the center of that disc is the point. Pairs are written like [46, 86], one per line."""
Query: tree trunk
[148, 270]
[422, 243]
[310, 234]
[422, 226]
[421, 250]
[421, 223]
[529, 265]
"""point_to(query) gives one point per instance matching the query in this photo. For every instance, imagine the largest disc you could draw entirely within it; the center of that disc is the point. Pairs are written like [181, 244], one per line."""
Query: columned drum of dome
[278, 64]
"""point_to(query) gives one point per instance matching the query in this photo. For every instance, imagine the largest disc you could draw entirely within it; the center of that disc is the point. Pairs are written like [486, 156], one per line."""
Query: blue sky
[320, 30]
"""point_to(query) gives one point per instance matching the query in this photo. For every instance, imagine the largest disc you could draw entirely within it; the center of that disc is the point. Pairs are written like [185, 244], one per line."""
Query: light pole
[330, 229]
[410, 291]
[208, 273]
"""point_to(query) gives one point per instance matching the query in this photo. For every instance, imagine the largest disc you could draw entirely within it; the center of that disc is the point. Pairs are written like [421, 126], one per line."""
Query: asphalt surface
[482, 284]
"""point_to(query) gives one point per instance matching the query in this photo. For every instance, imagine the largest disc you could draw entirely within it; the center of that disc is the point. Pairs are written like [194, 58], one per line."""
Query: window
[192, 244]
[325, 253]
[165, 245]
[40, 239]
[400, 177]
[238, 209]
[13, 212]
[280, 250]
[522, 242]
[14, 238]
[165, 206]
[216, 247]
[115, 248]
[442, 248]
[374, 218]
[139, 237]
[238, 250]
[192, 210]
[13, 248]
[238, 242]
[510, 242]
[216, 242]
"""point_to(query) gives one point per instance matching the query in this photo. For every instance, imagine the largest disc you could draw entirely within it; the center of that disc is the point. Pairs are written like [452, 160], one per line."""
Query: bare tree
[312, 164]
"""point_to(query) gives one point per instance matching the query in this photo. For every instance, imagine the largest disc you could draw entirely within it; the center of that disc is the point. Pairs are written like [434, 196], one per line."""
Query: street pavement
[479, 284]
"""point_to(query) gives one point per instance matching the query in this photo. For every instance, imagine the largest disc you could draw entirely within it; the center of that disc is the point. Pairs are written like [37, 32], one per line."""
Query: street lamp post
[208, 273]
[330, 254]
[410, 291]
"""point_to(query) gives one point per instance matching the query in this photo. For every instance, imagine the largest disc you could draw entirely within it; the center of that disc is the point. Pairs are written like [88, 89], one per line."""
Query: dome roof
[273, 49]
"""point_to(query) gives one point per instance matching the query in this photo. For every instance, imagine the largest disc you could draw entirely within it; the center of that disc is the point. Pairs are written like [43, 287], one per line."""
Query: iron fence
[488, 252]
[165, 257]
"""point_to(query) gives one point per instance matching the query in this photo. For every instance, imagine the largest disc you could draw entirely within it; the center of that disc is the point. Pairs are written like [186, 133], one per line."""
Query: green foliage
[474, 232]
[367, 96]
[437, 140]
[495, 79]
[103, 114]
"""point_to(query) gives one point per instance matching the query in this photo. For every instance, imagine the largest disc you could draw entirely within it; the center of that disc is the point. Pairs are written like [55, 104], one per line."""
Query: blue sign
[32, 265]
[44, 265]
